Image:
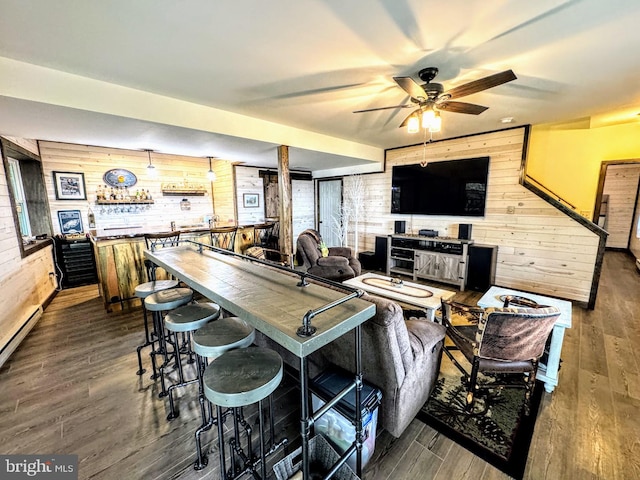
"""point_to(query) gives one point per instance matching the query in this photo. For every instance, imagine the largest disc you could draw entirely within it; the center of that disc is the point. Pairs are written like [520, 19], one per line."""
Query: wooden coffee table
[422, 296]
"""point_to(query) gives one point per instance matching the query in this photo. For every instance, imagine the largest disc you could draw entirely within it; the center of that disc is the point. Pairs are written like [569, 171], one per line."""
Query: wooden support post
[284, 192]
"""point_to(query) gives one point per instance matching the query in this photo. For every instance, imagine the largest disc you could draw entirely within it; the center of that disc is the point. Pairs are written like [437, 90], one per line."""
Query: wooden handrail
[558, 197]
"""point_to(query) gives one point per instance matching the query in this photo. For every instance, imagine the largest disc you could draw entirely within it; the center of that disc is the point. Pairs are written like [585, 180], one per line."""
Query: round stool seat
[168, 299]
[224, 334]
[191, 317]
[243, 376]
[145, 289]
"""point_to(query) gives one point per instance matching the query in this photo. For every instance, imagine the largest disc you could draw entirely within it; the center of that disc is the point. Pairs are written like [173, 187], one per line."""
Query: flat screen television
[455, 188]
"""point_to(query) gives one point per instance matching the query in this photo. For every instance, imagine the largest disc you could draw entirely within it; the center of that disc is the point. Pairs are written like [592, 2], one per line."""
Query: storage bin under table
[338, 424]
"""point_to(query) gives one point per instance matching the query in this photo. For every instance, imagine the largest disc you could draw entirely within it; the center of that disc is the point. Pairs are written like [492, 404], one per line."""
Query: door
[330, 223]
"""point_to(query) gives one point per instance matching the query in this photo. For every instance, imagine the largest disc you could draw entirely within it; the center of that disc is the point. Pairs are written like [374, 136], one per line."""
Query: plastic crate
[338, 424]
[322, 457]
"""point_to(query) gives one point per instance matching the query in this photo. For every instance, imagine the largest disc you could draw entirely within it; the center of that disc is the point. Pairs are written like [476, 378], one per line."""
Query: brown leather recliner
[338, 265]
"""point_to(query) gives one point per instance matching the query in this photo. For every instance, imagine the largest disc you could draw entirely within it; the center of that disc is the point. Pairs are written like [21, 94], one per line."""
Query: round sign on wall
[119, 177]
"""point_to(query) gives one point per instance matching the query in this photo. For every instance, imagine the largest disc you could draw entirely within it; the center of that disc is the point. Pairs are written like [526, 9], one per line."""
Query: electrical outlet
[511, 209]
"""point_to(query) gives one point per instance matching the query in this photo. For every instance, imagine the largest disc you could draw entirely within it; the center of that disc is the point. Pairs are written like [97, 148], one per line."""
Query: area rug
[496, 429]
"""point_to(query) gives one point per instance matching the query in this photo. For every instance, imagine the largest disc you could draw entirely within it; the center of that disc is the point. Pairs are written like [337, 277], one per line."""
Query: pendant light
[151, 170]
[211, 175]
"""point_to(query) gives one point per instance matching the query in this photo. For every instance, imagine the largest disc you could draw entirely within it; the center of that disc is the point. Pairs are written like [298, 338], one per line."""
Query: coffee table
[422, 296]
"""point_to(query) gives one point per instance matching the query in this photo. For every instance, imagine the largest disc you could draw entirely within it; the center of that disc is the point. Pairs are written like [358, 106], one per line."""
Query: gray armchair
[339, 265]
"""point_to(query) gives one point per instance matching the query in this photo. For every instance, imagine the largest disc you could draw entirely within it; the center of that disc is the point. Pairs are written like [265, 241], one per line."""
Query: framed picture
[251, 200]
[69, 186]
[70, 221]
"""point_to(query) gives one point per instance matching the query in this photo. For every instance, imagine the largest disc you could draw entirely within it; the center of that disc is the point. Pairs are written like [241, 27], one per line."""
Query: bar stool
[185, 320]
[211, 341]
[159, 302]
[236, 379]
[142, 291]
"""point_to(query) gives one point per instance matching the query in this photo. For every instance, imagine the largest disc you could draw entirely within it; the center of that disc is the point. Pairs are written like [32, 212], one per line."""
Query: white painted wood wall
[621, 184]
[302, 196]
[95, 161]
[25, 283]
[540, 249]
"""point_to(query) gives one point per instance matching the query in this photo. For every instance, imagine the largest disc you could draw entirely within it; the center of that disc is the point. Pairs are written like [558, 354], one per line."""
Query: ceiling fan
[430, 98]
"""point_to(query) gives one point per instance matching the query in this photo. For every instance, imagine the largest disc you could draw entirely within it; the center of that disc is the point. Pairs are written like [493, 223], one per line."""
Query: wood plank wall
[634, 241]
[302, 198]
[95, 161]
[621, 184]
[248, 181]
[24, 282]
[224, 200]
[540, 249]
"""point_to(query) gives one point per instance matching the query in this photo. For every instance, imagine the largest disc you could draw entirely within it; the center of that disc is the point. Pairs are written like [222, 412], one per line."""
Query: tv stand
[441, 259]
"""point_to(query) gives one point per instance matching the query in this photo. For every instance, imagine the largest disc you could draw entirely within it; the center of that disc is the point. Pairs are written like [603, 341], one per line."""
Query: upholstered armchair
[338, 264]
[502, 340]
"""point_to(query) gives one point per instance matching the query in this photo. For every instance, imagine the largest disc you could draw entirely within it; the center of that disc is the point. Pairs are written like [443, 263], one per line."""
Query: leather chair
[340, 264]
[504, 340]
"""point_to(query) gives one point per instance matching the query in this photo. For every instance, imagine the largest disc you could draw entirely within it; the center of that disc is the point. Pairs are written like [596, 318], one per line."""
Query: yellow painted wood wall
[540, 249]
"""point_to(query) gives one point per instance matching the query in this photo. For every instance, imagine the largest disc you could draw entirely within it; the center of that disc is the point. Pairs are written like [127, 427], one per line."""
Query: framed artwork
[251, 200]
[69, 186]
[70, 221]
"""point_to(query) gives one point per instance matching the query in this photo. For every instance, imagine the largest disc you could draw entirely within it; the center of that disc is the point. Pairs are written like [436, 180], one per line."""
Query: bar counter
[119, 256]
[277, 304]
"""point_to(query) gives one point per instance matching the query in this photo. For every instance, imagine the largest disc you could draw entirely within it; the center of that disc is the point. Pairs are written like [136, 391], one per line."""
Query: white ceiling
[235, 78]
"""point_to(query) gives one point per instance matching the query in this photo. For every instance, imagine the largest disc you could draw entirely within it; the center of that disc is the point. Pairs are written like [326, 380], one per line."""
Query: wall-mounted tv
[455, 188]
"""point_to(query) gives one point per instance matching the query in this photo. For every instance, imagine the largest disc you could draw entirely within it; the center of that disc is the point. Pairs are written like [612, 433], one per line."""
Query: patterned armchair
[503, 340]
[339, 264]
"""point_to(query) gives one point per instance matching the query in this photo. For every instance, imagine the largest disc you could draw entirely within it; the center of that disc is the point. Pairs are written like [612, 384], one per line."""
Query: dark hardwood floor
[71, 388]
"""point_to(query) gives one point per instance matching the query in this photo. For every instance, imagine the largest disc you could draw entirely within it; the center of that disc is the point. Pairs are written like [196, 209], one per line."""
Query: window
[28, 196]
[18, 196]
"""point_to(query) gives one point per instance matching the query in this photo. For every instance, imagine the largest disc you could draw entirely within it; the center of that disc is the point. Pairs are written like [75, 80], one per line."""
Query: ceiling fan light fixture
[413, 125]
[436, 124]
[428, 118]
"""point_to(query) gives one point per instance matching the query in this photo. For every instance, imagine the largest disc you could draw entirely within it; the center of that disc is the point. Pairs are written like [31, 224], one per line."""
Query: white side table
[546, 373]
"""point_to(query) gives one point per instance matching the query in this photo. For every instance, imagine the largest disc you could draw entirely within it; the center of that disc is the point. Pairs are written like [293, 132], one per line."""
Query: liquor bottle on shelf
[148, 195]
[137, 194]
[112, 194]
[99, 193]
[92, 218]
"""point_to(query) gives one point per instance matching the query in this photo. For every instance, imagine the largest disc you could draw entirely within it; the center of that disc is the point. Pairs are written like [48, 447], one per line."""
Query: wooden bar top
[268, 299]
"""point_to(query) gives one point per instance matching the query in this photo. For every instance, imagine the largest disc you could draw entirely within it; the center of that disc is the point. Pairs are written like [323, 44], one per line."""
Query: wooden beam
[284, 192]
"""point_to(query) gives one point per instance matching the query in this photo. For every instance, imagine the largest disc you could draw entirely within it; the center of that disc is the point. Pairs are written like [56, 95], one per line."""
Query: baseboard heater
[19, 335]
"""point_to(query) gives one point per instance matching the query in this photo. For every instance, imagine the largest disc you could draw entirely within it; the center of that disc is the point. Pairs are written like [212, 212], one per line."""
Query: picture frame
[251, 200]
[70, 221]
[69, 186]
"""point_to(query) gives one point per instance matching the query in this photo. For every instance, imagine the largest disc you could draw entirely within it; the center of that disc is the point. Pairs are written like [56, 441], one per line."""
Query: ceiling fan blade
[411, 87]
[481, 84]
[383, 108]
[462, 107]
[406, 120]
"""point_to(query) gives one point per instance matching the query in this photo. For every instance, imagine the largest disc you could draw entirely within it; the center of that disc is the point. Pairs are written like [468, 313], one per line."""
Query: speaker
[381, 254]
[464, 231]
[400, 226]
[481, 273]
